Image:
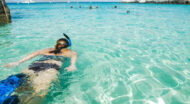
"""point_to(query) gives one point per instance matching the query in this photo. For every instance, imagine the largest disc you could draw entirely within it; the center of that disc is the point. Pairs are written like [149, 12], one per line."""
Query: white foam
[161, 101]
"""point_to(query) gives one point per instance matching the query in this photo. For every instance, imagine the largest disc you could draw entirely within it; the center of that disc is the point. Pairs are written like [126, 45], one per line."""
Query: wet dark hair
[59, 45]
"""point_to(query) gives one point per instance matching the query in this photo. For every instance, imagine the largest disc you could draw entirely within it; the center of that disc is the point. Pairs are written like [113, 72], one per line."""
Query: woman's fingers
[71, 68]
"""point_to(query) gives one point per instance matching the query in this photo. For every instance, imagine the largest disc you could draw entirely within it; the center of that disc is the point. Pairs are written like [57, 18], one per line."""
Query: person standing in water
[42, 72]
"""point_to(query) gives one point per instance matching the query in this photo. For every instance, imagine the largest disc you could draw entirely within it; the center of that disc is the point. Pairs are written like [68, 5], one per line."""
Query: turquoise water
[138, 58]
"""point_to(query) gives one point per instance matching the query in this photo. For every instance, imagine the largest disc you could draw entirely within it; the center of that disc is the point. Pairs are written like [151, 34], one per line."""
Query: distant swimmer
[115, 6]
[90, 7]
[79, 6]
[71, 6]
[33, 83]
[127, 11]
[96, 6]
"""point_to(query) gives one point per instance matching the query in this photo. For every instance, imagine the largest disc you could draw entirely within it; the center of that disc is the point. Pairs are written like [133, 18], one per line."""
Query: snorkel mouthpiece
[67, 39]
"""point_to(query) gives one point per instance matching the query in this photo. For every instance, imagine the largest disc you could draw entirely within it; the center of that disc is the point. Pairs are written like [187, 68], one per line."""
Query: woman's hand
[13, 64]
[71, 68]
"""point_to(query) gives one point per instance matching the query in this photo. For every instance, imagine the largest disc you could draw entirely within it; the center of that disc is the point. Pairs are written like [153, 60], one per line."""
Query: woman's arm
[30, 56]
[73, 55]
[73, 58]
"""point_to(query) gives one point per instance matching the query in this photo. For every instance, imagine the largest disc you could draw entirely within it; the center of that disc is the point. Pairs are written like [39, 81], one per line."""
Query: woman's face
[61, 44]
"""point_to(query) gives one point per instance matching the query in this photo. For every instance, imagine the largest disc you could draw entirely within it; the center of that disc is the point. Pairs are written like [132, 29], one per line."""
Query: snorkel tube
[69, 40]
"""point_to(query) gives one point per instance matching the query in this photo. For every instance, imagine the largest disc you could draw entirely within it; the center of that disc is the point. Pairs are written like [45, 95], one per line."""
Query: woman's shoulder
[67, 52]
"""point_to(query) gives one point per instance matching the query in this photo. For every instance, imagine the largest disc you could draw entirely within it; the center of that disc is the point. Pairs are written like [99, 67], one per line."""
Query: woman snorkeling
[39, 74]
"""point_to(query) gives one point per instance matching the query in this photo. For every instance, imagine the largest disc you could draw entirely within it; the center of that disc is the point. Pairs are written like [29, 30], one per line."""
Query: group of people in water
[91, 7]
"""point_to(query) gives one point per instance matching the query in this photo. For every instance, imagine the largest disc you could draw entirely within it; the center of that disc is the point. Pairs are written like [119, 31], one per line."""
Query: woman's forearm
[30, 56]
[73, 58]
[23, 60]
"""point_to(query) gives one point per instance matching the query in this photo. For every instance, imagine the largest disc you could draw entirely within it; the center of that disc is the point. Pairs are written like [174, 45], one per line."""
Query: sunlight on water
[138, 57]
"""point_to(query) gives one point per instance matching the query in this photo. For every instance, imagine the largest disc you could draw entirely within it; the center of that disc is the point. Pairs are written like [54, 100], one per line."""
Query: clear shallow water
[138, 58]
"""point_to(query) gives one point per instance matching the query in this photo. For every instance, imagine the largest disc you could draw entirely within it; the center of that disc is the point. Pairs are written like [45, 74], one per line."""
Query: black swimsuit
[39, 65]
